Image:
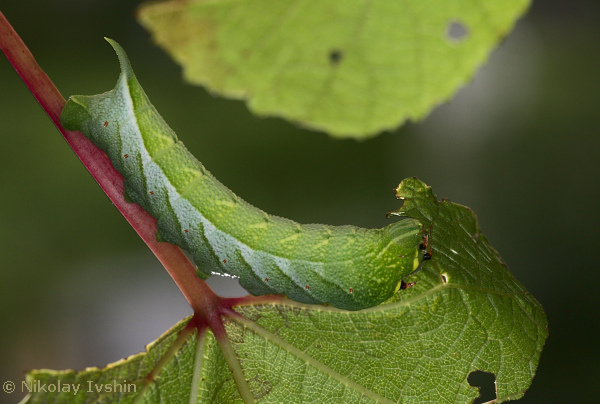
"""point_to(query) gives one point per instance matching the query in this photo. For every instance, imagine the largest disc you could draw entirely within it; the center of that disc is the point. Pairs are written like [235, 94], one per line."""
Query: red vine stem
[199, 295]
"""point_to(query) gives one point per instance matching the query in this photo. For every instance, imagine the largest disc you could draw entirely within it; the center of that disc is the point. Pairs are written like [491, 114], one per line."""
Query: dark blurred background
[519, 145]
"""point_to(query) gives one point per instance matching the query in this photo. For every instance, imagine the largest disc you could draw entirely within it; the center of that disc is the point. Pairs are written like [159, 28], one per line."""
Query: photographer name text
[37, 386]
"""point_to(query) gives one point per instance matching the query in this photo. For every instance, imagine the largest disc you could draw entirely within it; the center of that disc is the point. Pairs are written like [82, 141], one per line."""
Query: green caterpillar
[346, 266]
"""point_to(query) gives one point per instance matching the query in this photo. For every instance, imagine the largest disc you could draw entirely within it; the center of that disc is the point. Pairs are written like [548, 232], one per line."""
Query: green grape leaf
[465, 313]
[351, 68]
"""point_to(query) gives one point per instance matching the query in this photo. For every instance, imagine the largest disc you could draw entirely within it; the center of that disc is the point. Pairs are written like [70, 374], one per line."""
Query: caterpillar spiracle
[348, 267]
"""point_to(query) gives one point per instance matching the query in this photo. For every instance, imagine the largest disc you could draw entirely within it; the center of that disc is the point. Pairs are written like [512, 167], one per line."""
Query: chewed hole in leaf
[487, 385]
[456, 31]
[335, 57]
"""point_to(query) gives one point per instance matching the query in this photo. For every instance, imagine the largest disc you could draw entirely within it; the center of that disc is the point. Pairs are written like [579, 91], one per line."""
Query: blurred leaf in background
[351, 68]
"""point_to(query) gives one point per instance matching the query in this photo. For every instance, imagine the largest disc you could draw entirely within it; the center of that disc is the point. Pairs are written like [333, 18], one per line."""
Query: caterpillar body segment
[346, 266]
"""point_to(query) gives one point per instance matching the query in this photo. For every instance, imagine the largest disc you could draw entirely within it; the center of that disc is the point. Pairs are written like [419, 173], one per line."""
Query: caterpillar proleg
[346, 266]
